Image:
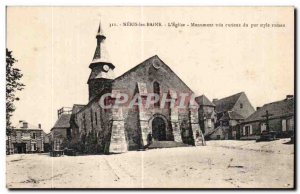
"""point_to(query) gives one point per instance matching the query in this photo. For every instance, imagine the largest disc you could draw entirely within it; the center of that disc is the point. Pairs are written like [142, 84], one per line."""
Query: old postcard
[150, 97]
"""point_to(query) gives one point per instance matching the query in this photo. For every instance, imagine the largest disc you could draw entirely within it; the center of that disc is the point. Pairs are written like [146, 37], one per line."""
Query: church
[170, 121]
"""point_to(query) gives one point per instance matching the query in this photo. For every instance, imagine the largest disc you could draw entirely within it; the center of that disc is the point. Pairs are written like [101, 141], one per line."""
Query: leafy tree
[13, 84]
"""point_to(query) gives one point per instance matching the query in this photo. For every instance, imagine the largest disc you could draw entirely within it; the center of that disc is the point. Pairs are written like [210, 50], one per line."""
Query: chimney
[288, 97]
[25, 125]
[257, 108]
[40, 126]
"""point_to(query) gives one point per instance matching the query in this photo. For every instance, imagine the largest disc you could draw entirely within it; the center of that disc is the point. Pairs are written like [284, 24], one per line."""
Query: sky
[55, 45]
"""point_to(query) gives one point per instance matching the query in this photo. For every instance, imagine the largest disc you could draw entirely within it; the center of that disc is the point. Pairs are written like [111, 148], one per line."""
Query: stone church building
[122, 128]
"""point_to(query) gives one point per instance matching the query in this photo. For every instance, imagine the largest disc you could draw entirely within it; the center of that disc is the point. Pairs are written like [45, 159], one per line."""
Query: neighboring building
[47, 138]
[207, 115]
[281, 119]
[125, 128]
[230, 112]
[61, 131]
[25, 138]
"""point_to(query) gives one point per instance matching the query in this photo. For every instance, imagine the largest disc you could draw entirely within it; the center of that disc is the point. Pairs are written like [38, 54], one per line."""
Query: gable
[150, 71]
[204, 101]
[243, 106]
[227, 103]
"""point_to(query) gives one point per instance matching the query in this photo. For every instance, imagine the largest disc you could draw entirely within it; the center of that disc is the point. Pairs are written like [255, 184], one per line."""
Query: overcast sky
[54, 47]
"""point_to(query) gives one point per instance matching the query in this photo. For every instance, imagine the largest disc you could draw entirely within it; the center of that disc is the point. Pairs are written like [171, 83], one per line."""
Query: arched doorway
[159, 129]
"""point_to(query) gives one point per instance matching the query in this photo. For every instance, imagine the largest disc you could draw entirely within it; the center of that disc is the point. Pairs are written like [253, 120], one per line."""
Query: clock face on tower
[106, 67]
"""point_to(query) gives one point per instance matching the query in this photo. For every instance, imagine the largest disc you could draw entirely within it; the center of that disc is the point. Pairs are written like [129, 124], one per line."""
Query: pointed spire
[98, 55]
[99, 29]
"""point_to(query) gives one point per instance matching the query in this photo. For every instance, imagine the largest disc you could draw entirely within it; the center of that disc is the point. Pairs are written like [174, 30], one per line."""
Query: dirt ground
[220, 164]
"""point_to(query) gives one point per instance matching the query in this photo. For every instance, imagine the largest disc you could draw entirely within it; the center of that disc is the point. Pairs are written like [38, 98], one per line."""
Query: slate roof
[62, 122]
[146, 63]
[226, 104]
[100, 54]
[203, 100]
[30, 126]
[278, 109]
[231, 115]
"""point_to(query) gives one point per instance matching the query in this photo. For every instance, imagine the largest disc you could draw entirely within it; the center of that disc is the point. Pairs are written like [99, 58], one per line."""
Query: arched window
[156, 90]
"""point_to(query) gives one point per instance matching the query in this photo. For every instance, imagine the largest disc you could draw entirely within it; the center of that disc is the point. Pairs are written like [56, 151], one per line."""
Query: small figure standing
[149, 140]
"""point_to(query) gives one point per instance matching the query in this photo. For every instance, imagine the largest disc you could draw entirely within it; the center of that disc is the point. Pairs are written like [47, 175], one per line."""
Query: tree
[13, 84]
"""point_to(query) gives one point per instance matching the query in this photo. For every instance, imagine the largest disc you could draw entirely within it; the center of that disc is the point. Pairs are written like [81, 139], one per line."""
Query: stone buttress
[175, 118]
[118, 143]
[194, 123]
[143, 114]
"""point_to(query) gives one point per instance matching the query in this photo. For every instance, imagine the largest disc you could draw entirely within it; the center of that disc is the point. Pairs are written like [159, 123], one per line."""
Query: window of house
[283, 124]
[156, 90]
[290, 124]
[209, 123]
[241, 105]
[33, 147]
[247, 130]
[33, 135]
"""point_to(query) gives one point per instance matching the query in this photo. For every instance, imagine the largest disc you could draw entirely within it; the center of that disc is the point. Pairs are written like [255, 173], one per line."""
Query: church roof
[227, 103]
[62, 122]
[276, 109]
[204, 101]
[147, 62]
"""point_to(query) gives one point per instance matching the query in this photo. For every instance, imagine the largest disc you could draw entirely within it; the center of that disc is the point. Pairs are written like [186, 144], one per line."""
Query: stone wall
[274, 124]
[94, 119]
[127, 128]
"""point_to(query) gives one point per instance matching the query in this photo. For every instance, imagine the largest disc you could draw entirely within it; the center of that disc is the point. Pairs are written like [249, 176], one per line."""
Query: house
[207, 115]
[280, 119]
[25, 138]
[47, 145]
[105, 125]
[230, 112]
[61, 131]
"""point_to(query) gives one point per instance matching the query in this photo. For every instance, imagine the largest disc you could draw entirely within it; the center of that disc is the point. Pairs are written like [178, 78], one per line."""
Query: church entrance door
[158, 129]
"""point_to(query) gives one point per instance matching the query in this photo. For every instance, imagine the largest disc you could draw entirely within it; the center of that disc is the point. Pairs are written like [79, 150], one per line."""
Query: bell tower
[101, 69]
